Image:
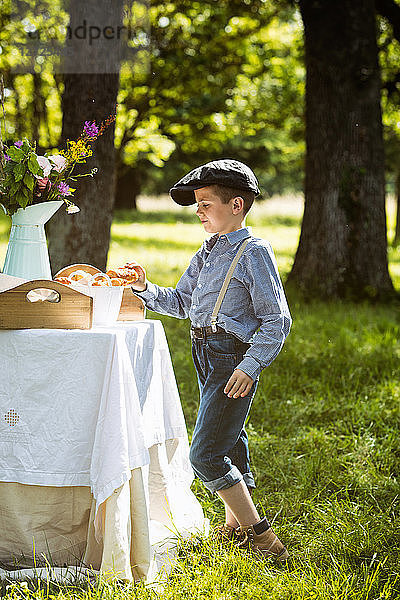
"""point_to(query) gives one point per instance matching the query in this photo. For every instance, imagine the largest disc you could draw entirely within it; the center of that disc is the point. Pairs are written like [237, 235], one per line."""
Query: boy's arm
[270, 306]
[167, 300]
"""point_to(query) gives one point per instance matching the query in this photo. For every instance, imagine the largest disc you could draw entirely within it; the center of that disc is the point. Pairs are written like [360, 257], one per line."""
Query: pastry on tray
[91, 276]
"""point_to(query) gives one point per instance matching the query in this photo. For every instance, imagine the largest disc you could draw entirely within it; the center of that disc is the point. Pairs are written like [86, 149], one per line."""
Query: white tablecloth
[83, 408]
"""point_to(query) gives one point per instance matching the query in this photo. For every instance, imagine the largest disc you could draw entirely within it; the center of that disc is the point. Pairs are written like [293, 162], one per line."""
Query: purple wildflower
[6, 157]
[63, 188]
[18, 144]
[90, 129]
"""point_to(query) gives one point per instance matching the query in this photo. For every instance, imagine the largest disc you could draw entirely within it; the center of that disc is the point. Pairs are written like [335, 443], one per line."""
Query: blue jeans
[219, 452]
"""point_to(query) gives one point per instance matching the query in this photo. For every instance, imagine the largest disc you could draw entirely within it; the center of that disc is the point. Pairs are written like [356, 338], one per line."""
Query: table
[93, 449]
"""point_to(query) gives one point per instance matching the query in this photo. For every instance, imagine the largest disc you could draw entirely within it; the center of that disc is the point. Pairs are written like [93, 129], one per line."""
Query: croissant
[63, 280]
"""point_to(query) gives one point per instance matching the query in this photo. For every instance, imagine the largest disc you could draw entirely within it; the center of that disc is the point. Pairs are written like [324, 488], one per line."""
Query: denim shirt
[254, 308]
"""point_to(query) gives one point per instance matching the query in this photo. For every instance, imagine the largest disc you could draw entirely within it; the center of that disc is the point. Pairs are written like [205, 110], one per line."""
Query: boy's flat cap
[226, 172]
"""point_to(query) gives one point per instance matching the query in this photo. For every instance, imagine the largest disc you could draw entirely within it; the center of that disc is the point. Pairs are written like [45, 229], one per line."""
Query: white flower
[46, 166]
[60, 162]
[72, 208]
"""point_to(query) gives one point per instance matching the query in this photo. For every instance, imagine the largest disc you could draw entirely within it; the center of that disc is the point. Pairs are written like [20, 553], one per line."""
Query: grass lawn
[324, 430]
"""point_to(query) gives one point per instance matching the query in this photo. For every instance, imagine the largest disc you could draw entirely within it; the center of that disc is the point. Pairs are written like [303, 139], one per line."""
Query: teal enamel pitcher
[27, 255]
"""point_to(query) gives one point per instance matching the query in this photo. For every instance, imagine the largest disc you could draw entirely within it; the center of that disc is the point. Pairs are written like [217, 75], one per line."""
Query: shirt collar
[239, 235]
[233, 237]
[210, 243]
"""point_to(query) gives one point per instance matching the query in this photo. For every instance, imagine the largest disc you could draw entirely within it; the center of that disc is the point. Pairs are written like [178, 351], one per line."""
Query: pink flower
[45, 164]
[59, 162]
[90, 130]
[64, 189]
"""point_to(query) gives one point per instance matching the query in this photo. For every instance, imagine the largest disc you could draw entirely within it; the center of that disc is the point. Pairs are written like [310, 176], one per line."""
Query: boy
[230, 346]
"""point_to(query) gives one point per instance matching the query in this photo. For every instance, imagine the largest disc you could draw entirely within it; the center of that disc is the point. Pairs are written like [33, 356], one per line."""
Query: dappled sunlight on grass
[167, 217]
[394, 265]
[393, 253]
[163, 250]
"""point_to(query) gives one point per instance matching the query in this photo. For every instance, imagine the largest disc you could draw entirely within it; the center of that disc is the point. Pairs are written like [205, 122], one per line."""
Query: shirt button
[208, 264]
[199, 286]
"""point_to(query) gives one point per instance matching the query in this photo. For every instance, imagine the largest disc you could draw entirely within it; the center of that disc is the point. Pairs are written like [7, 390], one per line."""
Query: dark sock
[261, 526]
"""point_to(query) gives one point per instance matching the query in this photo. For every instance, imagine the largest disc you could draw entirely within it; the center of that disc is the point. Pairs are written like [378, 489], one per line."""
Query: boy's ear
[237, 204]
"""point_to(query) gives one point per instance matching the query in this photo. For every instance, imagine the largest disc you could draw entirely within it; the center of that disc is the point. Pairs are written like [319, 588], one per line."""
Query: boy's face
[216, 216]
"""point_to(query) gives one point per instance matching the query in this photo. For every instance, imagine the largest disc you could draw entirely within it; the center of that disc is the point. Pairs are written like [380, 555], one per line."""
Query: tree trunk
[91, 82]
[128, 188]
[343, 243]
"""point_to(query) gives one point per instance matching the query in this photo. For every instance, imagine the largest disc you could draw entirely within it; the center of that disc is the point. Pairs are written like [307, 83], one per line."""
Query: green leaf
[9, 168]
[9, 179]
[19, 171]
[14, 187]
[12, 208]
[29, 181]
[15, 153]
[22, 200]
[34, 166]
[26, 147]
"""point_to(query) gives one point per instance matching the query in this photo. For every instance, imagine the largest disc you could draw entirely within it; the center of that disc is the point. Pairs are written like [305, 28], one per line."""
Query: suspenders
[227, 279]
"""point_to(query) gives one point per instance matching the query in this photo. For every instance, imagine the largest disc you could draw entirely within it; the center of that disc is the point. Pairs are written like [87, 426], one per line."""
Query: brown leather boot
[225, 533]
[262, 541]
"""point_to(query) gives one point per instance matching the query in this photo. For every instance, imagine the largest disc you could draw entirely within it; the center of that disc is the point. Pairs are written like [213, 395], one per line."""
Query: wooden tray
[66, 271]
[132, 307]
[72, 310]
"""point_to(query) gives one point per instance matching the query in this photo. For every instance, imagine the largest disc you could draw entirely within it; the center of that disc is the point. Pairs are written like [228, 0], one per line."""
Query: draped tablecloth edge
[140, 460]
[31, 478]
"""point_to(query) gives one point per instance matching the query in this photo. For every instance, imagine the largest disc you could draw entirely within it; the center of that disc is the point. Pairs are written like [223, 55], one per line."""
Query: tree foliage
[224, 79]
[207, 79]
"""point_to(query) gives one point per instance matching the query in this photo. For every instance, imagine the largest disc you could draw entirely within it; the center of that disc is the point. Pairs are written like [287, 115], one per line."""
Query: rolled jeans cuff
[232, 477]
[249, 480]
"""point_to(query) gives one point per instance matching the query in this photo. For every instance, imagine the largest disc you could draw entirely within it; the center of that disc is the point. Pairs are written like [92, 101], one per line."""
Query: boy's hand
[239, 384]
[140, 284]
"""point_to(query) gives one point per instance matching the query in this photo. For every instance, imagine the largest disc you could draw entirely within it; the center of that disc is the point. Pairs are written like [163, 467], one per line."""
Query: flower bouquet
[32, 189]
[27, 178]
